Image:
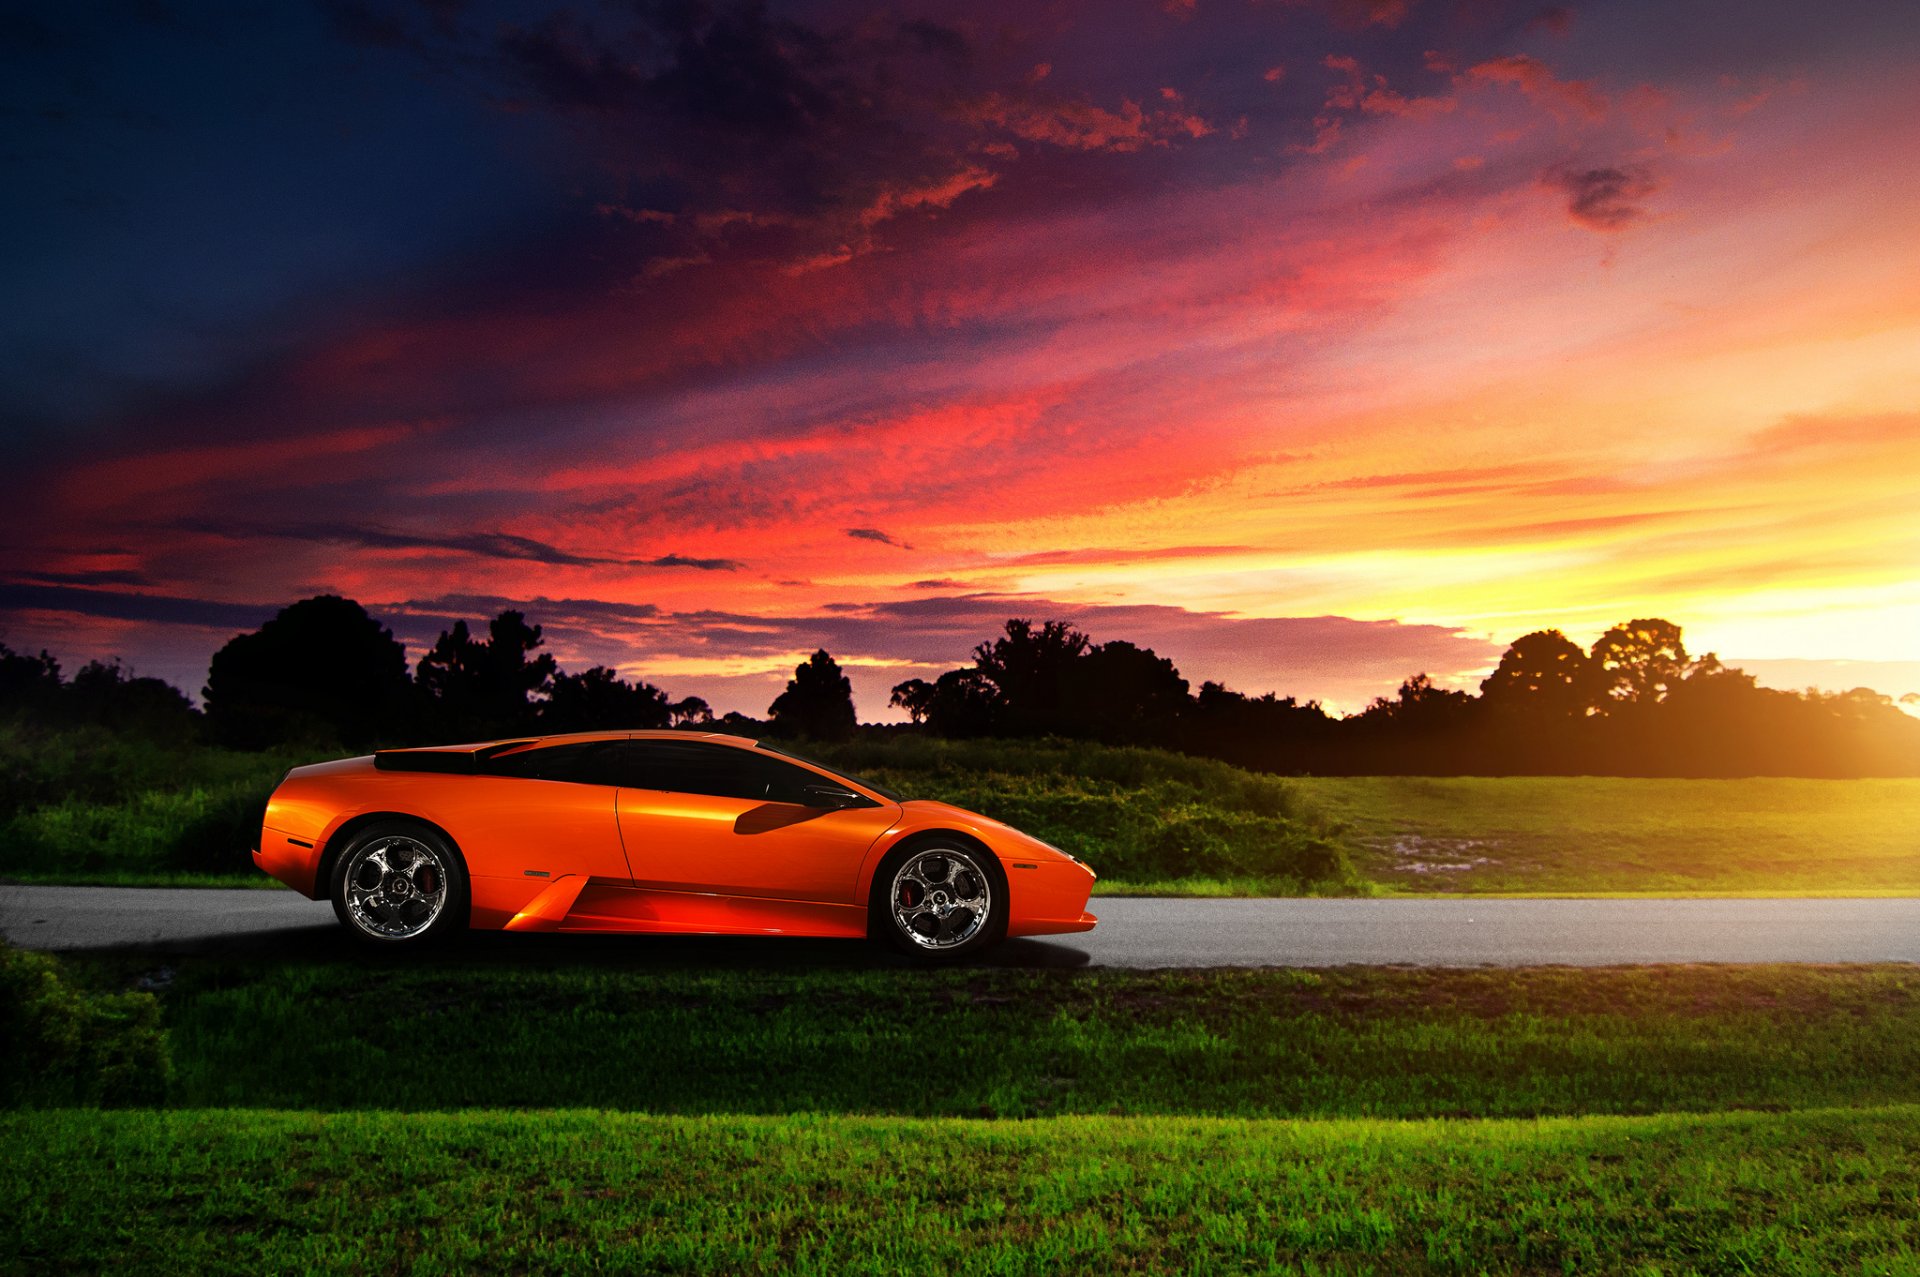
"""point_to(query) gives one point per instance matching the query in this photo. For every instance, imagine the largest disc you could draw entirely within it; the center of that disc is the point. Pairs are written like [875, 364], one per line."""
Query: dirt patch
[1415, 854]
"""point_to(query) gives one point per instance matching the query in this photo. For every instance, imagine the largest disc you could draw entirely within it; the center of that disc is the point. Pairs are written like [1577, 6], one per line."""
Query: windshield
[884, 791]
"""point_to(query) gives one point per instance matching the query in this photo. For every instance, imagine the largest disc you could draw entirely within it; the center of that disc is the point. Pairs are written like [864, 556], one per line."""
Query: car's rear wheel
[943, 900]
[399, 883]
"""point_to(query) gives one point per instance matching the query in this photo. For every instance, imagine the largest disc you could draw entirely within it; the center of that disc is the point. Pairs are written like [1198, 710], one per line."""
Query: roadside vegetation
[1149, 821]
[65, 1044]
[89, 805]
[86, 804]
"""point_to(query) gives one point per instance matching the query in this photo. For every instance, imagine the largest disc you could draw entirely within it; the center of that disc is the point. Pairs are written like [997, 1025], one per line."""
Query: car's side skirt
[610, 907]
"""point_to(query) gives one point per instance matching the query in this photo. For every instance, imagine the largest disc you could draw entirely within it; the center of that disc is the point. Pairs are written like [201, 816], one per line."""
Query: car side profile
[651, 832]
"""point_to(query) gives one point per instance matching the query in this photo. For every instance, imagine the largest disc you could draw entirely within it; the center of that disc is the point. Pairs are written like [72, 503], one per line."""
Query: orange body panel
[746, 847]
[546, 911]
[569, 856]
[604, 907]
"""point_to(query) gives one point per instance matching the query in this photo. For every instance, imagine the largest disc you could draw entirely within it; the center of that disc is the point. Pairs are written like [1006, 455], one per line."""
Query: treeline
[1635, 704]
[324, 671]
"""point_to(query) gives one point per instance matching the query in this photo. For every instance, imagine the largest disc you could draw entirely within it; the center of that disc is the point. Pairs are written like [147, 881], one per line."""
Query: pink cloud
[1370, 94]
[1565, 98]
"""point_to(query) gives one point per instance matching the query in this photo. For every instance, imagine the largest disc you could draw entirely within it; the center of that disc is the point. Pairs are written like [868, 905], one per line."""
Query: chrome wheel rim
[941, 898]
[395, 887]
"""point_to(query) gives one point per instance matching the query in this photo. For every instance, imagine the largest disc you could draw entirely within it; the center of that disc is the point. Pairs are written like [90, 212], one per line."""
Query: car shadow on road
[331, 943]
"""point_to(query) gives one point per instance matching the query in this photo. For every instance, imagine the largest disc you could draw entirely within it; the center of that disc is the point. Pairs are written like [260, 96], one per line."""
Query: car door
[542, 813]
[703, 817]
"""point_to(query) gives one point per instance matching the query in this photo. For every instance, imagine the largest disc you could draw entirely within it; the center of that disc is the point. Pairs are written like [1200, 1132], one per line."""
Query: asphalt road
[1132, 933]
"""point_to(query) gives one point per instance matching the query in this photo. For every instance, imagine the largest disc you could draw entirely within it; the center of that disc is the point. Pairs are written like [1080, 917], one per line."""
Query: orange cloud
[940, 193]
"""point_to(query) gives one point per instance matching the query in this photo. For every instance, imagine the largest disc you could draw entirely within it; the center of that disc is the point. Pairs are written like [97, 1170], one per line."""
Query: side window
[716, 770]
[587, 763]
[785, 782]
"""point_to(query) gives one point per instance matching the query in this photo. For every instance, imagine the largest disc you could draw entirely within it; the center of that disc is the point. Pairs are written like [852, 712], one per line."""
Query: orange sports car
[655, 832]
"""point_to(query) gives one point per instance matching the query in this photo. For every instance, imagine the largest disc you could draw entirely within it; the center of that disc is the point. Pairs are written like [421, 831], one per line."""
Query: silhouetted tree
[321, 667]
[818, 702]
[1273, 733]
[1030, 670]
[103, 692]
[1420, 729]
[485, 687]
[598, 700]
[962, 703]
[734, 723]
[1420, 704]
[914, 696]
[1640, 662]
[1120, 692]
[1543, 674]
[28, 684]
[691, 711]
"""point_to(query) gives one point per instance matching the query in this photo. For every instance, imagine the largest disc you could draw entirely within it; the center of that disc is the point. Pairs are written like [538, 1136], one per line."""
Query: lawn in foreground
[614, 1027]
[1558, 834]
[249, 1191]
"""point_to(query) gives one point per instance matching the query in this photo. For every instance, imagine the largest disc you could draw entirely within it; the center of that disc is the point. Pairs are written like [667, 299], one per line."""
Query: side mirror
[829, 797]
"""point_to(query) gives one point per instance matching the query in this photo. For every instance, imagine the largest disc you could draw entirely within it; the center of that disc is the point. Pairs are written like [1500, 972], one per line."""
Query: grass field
[594, 1110]
[82, 807]
[1813, 1193]
[1555, 835]
[85, 805]
[607, 1028]
[90, 808]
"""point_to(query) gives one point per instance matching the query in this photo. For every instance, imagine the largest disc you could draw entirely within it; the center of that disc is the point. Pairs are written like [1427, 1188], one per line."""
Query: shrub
[1136, 815]
[60, 1045]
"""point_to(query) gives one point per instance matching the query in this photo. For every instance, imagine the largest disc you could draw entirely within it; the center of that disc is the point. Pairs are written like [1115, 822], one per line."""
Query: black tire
[399, 884]
[966, 858]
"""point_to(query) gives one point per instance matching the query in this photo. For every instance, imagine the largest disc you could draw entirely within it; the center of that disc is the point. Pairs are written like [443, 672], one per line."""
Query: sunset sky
[1311, 344]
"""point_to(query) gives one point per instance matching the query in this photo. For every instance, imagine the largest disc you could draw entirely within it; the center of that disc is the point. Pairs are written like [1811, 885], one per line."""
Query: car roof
[639, 733]
[515, 743]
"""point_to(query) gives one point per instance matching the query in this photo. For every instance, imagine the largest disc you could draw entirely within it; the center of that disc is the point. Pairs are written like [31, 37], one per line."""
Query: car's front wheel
[943, 899]
[398, 882]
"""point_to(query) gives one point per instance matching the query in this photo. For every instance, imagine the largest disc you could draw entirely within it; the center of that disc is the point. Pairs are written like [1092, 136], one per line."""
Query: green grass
[1145, 819]
[1573, 835]
[591, 1107]
[62, 1044]
[1813, 1193]
[88, 807]
[612, 1027]
[154, 838]
[84, 805]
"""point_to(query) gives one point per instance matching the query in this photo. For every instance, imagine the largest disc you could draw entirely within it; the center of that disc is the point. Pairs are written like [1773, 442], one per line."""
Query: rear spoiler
[446, 762]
